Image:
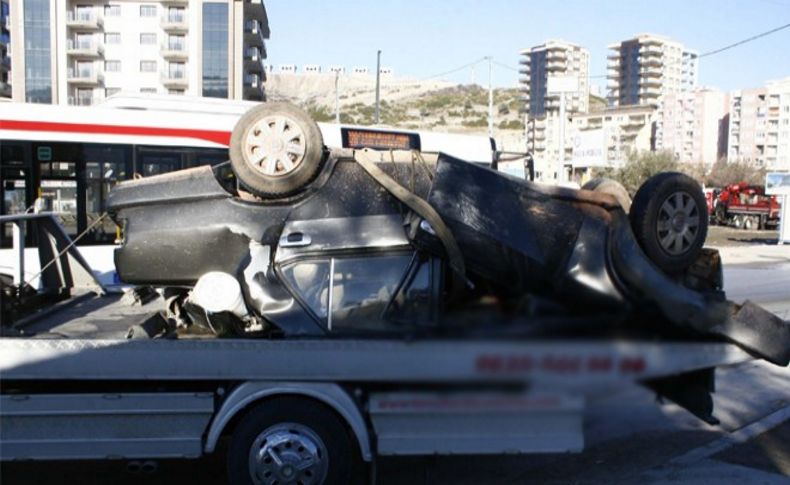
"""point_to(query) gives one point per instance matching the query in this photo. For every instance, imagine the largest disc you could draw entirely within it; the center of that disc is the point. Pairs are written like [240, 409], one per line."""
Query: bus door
[62, 182]
[17, 184]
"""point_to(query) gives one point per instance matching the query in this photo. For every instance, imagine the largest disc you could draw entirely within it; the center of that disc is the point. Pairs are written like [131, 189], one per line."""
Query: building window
[112, 38]
[112, 10]
[147, 39]
[175, 91]
[112, 66]
[176, 70]
[176, 43]
[148, 90]
[110, 91]
[215, 50]
[147, 10]
[147, 66]
[38, 55]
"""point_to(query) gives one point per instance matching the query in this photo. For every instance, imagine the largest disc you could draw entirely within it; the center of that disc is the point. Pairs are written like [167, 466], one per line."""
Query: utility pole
[378, 84]
[337, 97]
[490, 99]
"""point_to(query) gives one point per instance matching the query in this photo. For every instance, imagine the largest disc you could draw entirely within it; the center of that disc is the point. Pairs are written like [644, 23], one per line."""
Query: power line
[452, 71]
[744, 41]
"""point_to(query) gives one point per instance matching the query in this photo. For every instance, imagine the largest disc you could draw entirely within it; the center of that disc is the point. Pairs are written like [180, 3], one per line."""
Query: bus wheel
[610, 187]
[276, 149]
[291, 440]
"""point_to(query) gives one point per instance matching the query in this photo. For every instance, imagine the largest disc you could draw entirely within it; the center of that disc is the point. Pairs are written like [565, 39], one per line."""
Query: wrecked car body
[381, 243]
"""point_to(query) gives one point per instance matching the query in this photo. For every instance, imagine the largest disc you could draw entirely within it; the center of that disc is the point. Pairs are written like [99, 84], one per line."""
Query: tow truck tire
[301, 433]
[276, 149]
[610, 187]
[669, 220]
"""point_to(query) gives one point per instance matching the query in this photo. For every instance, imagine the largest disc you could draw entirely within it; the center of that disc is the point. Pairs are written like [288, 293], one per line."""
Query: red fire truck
[745, 206]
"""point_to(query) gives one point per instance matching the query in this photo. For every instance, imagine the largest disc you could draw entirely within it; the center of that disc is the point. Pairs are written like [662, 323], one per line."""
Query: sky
[421, 39]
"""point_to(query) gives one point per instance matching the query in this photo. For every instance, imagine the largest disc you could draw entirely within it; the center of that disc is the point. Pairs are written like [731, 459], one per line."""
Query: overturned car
[291, 239]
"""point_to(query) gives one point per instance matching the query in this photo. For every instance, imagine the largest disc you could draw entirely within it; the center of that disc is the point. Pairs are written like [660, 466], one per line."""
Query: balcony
[557, 54]
[555, 66]
[253, 33]
[5, 90]
[651, 50]
[649, 82]
[80, 101]
[253, 87]
[253, 60]
[174, 50]
[5, 64]
[525, 69]
[84, 20]
[650, 71]
[84, 48]
[174, 22]
[174, 79]
[651, 61]
[85, 77]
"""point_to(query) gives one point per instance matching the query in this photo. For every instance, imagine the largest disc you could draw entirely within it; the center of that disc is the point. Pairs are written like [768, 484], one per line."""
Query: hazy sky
[424, 38]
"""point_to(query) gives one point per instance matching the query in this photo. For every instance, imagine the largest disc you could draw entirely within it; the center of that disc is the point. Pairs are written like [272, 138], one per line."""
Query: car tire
[610, 187]
[669, 220]
[299, 431]
[276, 149]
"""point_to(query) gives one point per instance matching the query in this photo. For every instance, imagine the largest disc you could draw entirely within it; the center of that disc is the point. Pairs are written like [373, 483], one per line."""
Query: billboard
[777, 183]
[589, 149]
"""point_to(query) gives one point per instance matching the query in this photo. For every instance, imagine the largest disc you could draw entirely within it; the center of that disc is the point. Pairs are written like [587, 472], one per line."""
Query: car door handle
[295, 240]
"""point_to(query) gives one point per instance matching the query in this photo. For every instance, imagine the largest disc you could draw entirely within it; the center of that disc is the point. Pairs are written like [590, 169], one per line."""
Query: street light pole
[378, 84]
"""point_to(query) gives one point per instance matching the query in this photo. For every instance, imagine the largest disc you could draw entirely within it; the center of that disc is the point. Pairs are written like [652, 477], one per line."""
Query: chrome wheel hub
[275, 146]
[288, 453]
[678, 223]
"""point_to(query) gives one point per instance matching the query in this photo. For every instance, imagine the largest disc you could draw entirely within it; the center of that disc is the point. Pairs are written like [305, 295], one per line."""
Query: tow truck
[745, 206]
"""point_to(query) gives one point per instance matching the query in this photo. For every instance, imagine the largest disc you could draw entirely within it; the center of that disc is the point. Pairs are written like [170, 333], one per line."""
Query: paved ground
[629, 437]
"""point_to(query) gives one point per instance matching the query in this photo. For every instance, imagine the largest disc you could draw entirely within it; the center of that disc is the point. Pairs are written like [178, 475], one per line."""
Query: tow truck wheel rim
[678, 223]
[288, 453]
[275, 145]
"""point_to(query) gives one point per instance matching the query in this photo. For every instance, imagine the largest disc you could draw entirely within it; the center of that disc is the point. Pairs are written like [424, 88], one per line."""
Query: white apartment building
[554, 58]
[694, 125]
[759, 129]
[81, 51]
[605, 138]
[642, 69]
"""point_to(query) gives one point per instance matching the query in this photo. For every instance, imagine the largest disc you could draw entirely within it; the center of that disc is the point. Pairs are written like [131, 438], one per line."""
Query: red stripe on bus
[221, 137]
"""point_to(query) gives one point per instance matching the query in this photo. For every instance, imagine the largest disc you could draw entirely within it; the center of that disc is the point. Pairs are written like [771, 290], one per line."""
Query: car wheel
[291, 440]
[610, 187]
[276, 149]
[669, 219]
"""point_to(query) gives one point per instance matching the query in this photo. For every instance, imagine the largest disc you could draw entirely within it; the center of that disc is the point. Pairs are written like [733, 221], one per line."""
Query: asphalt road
[629, 437]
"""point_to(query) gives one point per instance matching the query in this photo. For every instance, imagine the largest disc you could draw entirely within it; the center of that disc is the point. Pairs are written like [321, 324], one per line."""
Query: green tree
[639, 167]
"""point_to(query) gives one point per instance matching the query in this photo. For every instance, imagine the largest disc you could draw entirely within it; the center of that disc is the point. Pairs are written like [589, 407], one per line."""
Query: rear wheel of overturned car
[276, 149]
[669, 219]
[291, 440]
[610, 187]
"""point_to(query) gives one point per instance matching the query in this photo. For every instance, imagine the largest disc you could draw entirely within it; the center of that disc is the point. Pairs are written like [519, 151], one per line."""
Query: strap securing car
[418, 205]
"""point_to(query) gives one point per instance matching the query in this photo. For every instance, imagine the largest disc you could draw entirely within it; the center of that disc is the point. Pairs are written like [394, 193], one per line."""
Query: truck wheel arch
[330, 395]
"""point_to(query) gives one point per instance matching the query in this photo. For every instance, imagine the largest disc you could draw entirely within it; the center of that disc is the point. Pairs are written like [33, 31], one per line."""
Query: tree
[639, 167]
[724, 173]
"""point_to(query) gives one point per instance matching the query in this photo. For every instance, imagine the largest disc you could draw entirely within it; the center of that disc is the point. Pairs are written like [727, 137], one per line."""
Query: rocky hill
[405, 103]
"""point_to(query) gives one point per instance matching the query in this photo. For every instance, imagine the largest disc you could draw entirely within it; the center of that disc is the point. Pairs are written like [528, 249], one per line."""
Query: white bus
[72, 155]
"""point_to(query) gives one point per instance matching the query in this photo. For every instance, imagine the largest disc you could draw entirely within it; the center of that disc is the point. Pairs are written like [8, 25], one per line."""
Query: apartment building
[605, 138]
[642, 69]
[759, 130]
[554, 58]
[694, 125]
[81, 51]
[5, 56]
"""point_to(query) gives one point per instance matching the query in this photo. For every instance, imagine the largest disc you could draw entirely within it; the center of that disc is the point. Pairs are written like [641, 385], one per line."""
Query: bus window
[15, 186]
